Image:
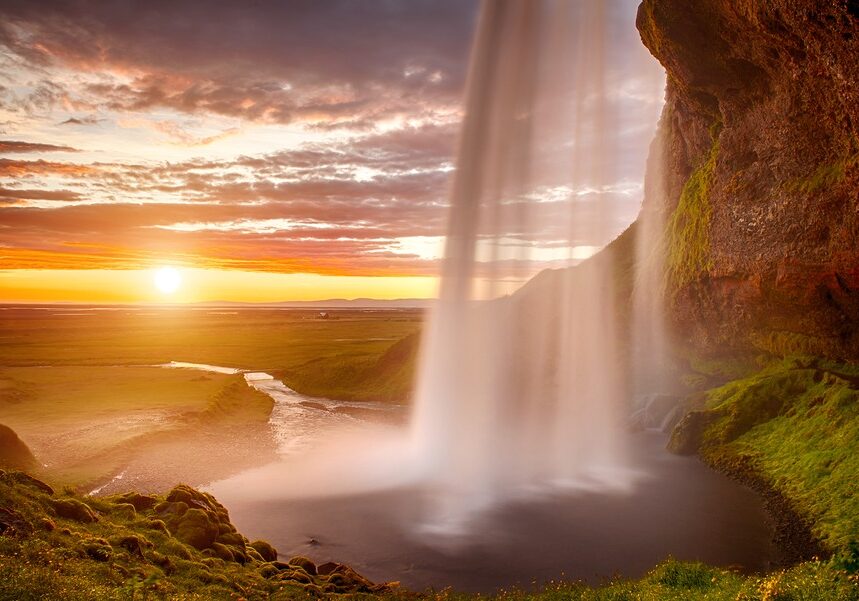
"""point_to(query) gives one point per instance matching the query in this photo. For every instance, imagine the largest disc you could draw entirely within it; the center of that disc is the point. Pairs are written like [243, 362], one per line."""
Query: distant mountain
[332, 303]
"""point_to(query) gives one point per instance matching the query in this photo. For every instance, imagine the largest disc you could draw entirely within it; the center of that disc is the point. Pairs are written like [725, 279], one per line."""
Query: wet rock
[327, 568]
[687, 436]
[266, 551]
[72, 509]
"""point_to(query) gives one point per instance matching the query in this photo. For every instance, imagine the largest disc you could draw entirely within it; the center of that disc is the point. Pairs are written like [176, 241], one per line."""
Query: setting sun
[167, 280]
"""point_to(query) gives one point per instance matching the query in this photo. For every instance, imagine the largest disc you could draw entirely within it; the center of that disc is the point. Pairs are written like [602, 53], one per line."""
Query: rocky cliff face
[761, 171]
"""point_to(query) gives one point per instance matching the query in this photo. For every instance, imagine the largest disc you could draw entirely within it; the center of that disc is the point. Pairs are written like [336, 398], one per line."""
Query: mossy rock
[97, 549]
[223, 552]
[195, 528]
[159, 525]
[138, 501]
[296, 575]
[167, 509]
[72, 509]
[26, 480]
[124, 511]
[265, 549]
[232, 539]
[267, 570]
[303, 563]
[132, 543]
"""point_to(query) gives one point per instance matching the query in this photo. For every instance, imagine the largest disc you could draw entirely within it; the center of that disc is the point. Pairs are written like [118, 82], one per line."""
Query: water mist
[523, 388]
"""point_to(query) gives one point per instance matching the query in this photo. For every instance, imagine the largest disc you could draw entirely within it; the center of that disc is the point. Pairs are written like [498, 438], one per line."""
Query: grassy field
[80, 386]
[335, 357]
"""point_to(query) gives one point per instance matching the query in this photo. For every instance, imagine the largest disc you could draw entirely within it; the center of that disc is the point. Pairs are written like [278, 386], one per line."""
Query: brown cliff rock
[761, 131]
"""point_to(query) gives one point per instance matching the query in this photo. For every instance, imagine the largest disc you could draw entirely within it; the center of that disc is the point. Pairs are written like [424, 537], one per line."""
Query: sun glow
[167, 280]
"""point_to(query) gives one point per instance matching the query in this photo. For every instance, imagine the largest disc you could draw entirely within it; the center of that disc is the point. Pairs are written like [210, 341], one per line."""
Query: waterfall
[523, 388]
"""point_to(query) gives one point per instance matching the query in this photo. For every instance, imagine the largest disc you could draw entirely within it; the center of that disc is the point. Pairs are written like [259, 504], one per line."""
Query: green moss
[824, 176]
[797, 423]
[688, 229]
[782, 343]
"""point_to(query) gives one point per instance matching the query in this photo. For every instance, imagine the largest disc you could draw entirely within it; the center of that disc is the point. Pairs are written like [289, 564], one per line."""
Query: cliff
[761, 172]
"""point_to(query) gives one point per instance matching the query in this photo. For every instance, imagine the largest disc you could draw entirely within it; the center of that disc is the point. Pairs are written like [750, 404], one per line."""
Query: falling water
[522, 388]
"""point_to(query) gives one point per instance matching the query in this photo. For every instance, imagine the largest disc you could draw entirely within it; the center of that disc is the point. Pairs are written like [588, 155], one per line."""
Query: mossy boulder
[304, 563]
[266, 551]
[14, 453]
[138, 501]
[73, 509]
[125, 511]
[27, 480]
[195, 528]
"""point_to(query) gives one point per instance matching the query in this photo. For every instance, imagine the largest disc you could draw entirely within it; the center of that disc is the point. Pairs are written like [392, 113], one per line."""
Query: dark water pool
[680, 509]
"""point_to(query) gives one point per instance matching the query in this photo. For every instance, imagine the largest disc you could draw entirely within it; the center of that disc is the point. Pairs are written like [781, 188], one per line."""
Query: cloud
[17, 146]
[321, 62]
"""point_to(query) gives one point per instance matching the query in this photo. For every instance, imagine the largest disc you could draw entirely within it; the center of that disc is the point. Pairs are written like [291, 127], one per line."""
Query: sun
[167, 280]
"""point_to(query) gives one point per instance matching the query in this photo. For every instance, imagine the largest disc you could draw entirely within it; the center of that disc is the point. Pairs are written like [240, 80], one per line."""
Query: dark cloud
[86, 120]
[16, 146]
[338, 61]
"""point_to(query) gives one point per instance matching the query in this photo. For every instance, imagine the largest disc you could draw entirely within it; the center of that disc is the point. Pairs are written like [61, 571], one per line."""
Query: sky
[268, 151]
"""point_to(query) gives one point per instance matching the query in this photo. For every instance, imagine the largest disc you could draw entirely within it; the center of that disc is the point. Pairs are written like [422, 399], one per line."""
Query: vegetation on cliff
[687, 252]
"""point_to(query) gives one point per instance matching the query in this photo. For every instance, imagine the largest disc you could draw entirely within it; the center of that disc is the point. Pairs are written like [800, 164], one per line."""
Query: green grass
[144, 553]
[332, 358]
[688, 229]
[797, 422]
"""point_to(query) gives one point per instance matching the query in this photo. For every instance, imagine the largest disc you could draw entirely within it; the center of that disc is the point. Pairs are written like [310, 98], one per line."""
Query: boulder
[688, 434]
[266, 551]
[303, 563]
[72, 509]
[195, 528]
[27, 480]
[140, 502]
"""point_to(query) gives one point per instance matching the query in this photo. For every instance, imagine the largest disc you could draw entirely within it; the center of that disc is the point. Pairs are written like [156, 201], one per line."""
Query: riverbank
[87, 425]
[790, 430]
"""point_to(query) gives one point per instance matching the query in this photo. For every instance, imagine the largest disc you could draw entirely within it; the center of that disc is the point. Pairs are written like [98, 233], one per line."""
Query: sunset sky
[267, 150]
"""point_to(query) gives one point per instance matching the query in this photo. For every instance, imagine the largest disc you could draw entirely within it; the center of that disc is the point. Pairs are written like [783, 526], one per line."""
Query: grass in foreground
[183, 546]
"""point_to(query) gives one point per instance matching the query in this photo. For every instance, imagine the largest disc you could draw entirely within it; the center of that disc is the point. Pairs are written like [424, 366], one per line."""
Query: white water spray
[527, 391]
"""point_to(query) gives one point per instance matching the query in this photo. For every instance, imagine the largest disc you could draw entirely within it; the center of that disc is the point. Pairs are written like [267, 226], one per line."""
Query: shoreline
[793, 535]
